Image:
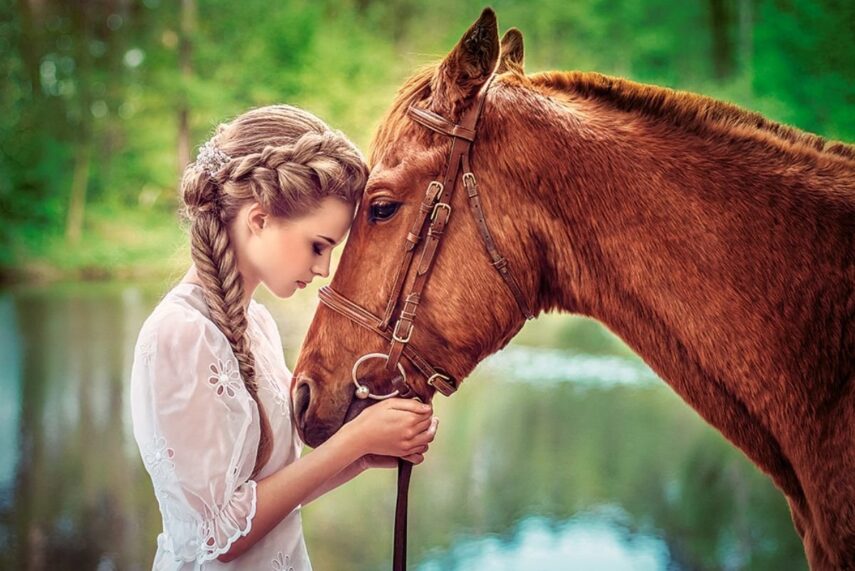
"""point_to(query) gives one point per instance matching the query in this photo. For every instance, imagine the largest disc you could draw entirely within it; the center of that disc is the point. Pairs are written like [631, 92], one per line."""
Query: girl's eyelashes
[317, 248]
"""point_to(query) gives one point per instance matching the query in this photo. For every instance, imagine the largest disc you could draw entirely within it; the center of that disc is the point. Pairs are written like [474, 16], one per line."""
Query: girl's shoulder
[182, 310]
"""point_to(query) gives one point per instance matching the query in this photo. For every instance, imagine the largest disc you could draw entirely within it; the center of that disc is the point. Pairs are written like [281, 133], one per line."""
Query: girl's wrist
[362, 464]
[348, 442]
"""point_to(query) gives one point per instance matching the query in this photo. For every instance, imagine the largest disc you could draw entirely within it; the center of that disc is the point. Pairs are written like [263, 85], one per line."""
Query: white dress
[198, 429]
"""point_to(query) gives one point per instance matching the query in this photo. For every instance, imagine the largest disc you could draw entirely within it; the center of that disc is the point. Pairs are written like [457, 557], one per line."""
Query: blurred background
[562, 452]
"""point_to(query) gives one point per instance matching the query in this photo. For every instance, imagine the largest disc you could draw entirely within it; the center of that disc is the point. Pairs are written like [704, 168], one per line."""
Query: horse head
[465, 310]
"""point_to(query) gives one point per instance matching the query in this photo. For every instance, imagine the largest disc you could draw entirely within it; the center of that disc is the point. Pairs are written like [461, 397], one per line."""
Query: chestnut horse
[716, 243]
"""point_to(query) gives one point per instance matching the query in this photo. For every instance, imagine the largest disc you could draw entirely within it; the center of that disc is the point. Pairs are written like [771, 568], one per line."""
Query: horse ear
[512, 52]
[468, 66]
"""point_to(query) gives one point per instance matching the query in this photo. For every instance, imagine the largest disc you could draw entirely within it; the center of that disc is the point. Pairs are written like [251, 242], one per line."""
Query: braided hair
[288, 161]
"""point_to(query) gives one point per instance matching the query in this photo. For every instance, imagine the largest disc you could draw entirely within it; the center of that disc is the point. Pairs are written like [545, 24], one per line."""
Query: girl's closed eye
[318, 249]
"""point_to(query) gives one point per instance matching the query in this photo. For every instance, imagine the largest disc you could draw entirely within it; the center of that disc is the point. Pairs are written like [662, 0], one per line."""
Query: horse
[716, 243]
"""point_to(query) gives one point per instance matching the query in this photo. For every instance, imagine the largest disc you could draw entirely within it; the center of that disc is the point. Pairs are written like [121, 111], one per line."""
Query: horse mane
[691, 111]
[683, 109]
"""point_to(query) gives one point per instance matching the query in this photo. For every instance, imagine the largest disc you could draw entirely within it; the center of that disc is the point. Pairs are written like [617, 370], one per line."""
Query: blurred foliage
[92, 92]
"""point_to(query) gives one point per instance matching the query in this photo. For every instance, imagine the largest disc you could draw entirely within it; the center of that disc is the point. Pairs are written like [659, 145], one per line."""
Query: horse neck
[688, 249]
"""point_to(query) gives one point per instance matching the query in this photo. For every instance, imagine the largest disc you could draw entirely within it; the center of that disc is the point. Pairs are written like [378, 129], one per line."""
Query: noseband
[428, 227]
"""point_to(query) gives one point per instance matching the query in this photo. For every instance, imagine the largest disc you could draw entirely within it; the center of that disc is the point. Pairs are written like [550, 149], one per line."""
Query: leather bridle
[428, 227]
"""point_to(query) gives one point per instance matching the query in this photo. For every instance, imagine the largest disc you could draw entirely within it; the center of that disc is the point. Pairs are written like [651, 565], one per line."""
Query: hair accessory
[211, 159]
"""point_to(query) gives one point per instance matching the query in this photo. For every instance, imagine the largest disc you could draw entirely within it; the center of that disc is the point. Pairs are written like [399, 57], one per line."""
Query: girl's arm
[395, 427]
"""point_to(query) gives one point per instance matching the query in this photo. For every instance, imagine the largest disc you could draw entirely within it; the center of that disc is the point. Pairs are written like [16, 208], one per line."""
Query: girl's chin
[285, 290]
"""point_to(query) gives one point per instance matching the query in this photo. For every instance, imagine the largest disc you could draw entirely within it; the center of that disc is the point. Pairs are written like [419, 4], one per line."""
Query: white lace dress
[198, 429]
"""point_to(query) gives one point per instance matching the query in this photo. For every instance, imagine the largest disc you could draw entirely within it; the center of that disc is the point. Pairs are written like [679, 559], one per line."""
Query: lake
[564, 451]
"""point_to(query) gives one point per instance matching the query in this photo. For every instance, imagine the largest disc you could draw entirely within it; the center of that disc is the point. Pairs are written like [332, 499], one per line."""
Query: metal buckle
[470, 184]
[435, 183]
[436, 207]
[397, 337]
[431, 378]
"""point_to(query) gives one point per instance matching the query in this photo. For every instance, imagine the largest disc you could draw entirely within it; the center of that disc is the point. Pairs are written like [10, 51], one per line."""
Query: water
[562, 452]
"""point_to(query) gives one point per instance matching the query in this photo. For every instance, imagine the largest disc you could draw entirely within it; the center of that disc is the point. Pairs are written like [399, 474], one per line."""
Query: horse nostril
[301, 402]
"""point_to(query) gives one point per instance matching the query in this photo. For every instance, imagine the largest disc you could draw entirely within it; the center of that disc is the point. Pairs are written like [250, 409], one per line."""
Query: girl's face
[287, 254]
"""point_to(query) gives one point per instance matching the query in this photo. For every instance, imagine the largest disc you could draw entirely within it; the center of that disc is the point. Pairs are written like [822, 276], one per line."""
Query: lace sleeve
[198, 432]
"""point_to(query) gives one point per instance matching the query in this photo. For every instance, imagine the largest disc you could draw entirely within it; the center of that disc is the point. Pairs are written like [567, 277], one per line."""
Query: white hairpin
[211, 159]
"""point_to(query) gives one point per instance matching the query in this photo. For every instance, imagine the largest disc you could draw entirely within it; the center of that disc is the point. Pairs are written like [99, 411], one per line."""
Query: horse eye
[382, 210]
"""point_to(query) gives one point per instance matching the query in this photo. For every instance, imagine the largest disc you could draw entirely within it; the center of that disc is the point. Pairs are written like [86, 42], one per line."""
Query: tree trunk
[188, 28]
[84, 128]
[746, 38]
[29, 41]
[79, 182]
[722, 50]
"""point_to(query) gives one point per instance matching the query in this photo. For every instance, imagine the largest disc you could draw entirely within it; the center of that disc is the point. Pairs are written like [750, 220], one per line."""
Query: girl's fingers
[421, 440]
[428, 424]
[423, 425]
[409, 405]
[415, 458]
[416, 450]
[425, 437]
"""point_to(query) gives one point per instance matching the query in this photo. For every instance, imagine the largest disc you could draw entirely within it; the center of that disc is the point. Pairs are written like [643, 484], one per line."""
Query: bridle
[428, 226]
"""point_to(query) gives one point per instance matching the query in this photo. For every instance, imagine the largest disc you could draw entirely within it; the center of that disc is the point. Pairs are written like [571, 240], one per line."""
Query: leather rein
[428, 227]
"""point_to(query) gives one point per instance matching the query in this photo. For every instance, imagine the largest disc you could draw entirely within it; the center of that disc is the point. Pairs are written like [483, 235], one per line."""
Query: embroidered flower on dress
[279, 395]
[147, 350]
[159, 460]
[282, 563]
[281, 400]
[225, 377]
[232, 475]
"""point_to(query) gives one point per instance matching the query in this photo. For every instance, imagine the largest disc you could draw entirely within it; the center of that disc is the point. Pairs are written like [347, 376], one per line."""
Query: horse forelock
[395, 122]
[396, 125]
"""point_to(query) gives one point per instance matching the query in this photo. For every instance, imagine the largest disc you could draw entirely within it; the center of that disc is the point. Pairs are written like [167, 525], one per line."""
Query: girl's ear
[256, 218]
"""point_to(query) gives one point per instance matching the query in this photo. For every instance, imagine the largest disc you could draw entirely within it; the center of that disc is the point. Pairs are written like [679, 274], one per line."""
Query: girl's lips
[301, 284]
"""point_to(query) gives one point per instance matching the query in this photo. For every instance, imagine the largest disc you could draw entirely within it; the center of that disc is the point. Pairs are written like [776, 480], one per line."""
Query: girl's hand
[396, 427]
[379, 461]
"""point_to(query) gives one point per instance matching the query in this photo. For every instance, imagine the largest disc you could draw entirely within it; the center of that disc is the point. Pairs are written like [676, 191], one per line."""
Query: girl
[268, 198]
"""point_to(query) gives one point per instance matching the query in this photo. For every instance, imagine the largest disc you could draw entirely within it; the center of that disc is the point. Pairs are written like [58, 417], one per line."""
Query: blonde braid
[317, 164]
[223, 290]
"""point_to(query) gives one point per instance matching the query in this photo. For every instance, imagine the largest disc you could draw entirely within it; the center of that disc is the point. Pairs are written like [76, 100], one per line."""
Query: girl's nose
[323, 269]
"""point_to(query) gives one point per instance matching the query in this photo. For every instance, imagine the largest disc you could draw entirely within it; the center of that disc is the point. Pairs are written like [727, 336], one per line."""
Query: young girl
[268, 198]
